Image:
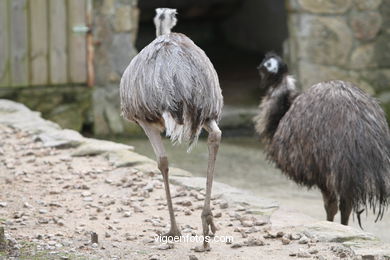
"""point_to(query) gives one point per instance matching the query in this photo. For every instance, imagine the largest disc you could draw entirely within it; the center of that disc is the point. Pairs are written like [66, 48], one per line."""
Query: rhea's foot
[172, 233]
[208, 224]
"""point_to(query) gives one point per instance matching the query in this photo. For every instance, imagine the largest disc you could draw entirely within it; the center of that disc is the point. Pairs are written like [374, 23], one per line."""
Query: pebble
[42, 211]
[154, 257]
[285, 241]
[237, 245]
[52, 243]
[252, 241]
[303, 240]
[127, 214]
[303, 254]
[295, 236]
[86, 194]
[137, 209]
[218, 214]
[3, 204]
[192, 257]
[247, 223]
[165, 246]
[223, 204]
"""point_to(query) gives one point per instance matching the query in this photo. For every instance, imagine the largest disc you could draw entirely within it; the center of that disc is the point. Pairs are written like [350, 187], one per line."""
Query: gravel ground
[54, 206]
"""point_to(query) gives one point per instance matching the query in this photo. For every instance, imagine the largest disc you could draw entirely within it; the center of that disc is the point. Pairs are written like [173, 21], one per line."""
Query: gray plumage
[171, 85]
[171, 82]
[333, 136]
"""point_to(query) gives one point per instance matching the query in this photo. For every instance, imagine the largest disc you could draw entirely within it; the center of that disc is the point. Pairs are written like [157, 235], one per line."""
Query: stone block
[324, 40]
[363, 57]
[122, 19]
[325, 6]
[310, 74]
[365, 25]
[367, 4]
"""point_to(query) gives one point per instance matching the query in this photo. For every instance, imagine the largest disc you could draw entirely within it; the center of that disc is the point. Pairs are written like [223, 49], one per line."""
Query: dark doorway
[235, 34]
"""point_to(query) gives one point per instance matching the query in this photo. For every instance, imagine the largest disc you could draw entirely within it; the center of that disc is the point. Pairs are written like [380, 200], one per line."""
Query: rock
[303, 254]
[363, 57]
[252, 241]
[223, 204]
[126, 158]
[86, 194]
[42, 211]
[303, 240]
[185, 203]
[123, 19]
[365, 25]
[154, 257]
[247, 223]
[51, 243]
[295, 236]
[285, 241]
[218, 214]
[192, 257]
[325, 6]
[96, 147]
[367, 5]
[314, 73]
[127, 214]
[237, 245]
[326, 231]
[324, 40]
[64, 138]
[165, 246]
[3, 204]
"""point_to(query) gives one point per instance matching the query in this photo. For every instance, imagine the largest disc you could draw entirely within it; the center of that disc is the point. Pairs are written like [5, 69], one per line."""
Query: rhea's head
[272, 70]
[165, 20]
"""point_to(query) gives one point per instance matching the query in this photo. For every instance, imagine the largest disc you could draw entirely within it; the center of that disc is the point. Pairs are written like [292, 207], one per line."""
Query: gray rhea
[333, 136]
[171, 85]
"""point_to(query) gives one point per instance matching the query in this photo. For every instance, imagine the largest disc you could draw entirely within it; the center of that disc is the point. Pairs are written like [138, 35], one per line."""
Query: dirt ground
[51, 204]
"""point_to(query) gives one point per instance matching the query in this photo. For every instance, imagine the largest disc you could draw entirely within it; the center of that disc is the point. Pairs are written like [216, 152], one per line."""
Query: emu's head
[165, 20]
[272, 70]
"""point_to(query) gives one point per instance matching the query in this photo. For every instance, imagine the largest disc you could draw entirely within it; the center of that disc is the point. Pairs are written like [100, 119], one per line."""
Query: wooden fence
[38, 45]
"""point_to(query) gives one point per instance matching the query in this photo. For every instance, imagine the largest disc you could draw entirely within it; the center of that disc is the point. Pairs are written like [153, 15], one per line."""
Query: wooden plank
[4, 37]
[19, 43]
[39, 43]
[58, 44]
[77, 42]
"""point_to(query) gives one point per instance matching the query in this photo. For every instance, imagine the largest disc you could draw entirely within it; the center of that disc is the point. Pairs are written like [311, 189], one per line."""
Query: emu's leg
[345, 210]
[155, 139]
[213, 142]
[330, 203]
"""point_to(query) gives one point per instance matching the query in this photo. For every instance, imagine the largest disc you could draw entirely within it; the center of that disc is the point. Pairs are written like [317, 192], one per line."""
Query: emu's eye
[272, 65]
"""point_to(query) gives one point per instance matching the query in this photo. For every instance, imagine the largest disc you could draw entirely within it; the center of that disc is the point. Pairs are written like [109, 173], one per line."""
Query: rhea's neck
[161, 30]
[274, 106]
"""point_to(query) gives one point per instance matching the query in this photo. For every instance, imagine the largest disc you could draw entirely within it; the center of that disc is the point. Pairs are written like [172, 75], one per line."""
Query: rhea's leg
[155, 139]
[330, 203]
[345, 210]
[213, 141]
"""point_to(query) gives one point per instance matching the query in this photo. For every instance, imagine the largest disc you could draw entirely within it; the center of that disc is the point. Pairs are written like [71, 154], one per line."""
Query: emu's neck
[274, 106]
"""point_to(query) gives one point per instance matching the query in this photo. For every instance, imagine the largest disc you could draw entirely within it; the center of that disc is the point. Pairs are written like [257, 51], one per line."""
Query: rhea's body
[172, 83]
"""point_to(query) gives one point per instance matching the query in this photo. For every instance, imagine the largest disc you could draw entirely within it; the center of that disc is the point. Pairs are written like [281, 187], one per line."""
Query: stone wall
[341, 39]
[115, 31]
[69, 106]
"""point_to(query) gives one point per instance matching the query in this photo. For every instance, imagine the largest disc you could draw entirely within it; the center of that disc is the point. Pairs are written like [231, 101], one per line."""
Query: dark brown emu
[171, 85]
[333, 136]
